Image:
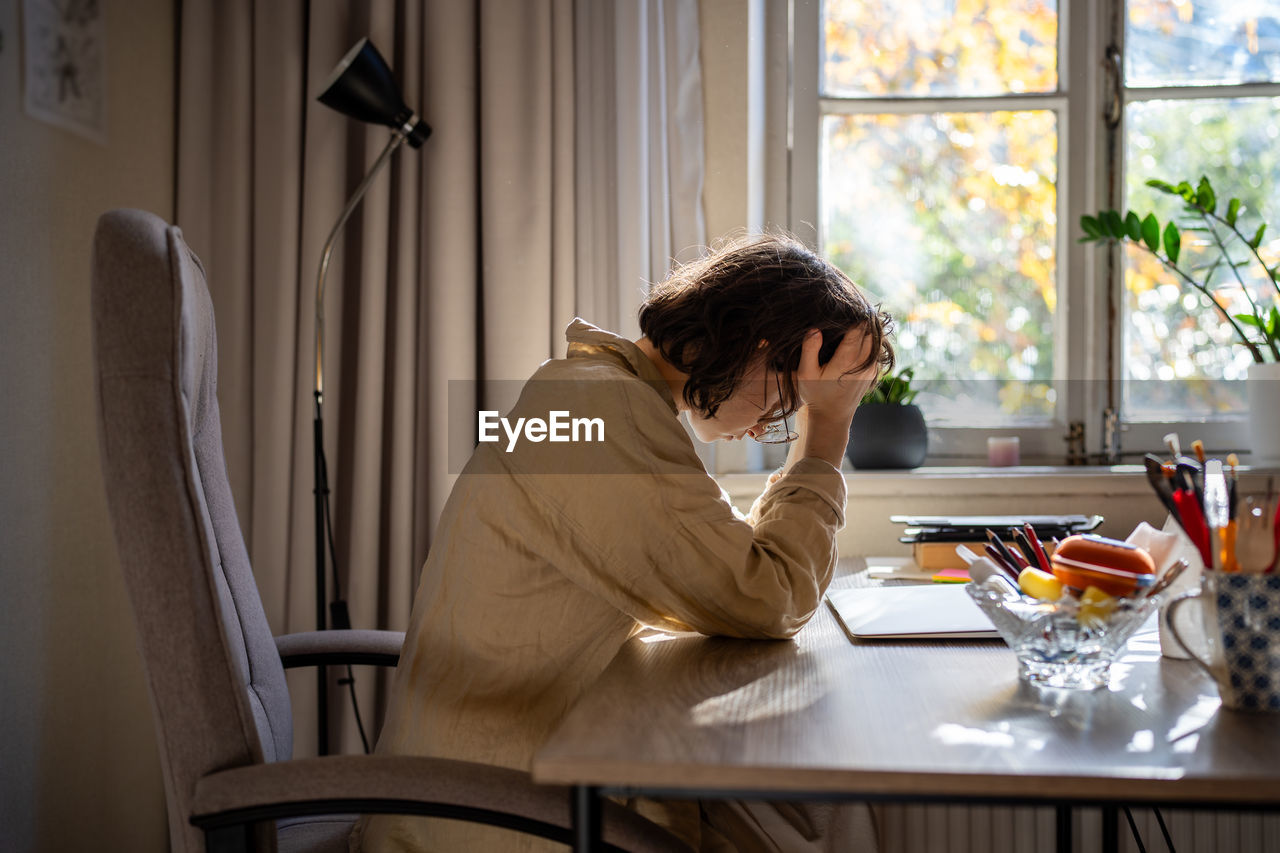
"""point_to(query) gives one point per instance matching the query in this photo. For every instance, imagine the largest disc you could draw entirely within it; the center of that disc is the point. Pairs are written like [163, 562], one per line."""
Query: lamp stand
[338, 608]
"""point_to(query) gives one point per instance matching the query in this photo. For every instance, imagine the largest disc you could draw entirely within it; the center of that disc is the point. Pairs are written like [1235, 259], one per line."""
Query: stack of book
[933, 539]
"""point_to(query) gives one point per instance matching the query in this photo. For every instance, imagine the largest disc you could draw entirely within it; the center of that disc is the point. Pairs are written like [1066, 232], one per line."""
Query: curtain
[564, 172]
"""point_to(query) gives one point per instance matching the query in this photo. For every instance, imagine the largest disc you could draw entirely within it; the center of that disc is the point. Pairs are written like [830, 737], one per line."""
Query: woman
[551, 554]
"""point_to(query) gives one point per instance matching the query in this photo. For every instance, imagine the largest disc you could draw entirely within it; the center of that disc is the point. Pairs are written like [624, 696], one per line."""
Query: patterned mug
[1241, 614]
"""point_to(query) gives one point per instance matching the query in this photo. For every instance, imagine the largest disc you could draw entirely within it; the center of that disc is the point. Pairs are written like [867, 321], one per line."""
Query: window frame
[1088, 328]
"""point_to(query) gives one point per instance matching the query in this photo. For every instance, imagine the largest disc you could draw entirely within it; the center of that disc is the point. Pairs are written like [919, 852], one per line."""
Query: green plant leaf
[1172, 242]
[1205, 196]
[1091, 226]
[1163, 186]
[1133, 226]
[1151, 232]
[1273, 323]
[893, 389]
[1257, 238]
[1115, 224]
[1249, 320]
[1233, 211]
[1187, 192]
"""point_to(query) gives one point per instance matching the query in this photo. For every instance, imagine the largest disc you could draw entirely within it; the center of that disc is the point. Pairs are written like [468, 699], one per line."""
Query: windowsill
[973, 480]
[983, 481]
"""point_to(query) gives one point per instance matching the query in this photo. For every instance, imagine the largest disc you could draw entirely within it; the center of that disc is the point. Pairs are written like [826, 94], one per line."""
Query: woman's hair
[708, 317]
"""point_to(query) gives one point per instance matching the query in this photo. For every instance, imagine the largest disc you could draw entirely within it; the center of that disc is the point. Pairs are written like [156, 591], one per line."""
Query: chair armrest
[399, 784]
[323, 648]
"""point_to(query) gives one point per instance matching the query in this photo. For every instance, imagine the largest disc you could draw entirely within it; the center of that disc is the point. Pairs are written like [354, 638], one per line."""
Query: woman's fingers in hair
[809, 367]
[854, 350]
[836, 385]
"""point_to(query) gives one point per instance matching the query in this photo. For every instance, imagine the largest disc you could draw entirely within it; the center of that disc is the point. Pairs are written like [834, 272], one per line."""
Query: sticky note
[951, 576]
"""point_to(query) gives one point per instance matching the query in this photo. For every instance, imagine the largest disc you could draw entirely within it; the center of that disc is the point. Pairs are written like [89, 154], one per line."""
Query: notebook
[928, 611]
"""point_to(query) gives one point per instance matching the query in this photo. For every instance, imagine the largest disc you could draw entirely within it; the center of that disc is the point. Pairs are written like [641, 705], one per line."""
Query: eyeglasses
[779, 431]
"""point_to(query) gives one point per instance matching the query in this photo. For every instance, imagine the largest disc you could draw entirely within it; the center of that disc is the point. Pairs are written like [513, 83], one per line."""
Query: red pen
[1193, 523]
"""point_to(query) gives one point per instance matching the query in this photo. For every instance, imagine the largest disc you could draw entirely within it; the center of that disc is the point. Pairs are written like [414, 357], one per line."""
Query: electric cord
[338, 613]
[1164, 830]
[1133, 827]
[1137, 837]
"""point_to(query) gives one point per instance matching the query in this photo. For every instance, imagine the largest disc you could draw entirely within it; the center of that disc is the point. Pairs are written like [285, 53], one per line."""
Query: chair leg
[229, 839]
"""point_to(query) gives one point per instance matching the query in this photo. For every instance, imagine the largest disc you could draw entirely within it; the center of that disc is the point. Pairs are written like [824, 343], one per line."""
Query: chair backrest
[217, 686]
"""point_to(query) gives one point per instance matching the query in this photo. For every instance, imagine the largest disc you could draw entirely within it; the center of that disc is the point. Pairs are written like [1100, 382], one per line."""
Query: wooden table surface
[906, 719]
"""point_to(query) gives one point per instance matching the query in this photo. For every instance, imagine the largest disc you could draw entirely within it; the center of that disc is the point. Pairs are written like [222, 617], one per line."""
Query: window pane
[950, 219]
[885, 48]
[1178, 348]
[1202, 42]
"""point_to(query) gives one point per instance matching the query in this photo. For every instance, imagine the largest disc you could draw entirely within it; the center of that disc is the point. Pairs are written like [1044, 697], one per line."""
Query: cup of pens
[1241, 618]
[1239, 593]
[1066, 613]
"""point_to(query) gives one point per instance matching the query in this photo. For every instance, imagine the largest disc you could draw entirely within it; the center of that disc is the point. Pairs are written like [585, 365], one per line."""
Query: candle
[1002, 451]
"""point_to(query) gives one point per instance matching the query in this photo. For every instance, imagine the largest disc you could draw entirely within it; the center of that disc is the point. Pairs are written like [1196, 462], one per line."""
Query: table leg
[585, 816]
[1062, 842]
[1110, 829]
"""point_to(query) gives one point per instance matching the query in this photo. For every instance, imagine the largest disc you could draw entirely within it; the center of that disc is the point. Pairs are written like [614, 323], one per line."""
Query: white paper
[1166, 547]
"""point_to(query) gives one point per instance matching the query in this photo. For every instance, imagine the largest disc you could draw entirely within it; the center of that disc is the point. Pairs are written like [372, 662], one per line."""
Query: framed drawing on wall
[65, 70]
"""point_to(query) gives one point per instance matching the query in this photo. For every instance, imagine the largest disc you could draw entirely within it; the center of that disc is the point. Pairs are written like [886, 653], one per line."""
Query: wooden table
[824, 717]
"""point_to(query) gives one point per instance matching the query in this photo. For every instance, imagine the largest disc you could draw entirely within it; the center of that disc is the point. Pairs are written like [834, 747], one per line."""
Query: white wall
[78, 765]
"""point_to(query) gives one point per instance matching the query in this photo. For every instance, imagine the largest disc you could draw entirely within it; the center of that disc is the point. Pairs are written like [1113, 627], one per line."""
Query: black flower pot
[887, 435]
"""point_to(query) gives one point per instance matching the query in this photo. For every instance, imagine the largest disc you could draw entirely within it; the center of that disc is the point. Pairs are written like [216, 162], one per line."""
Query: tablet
[926, 611]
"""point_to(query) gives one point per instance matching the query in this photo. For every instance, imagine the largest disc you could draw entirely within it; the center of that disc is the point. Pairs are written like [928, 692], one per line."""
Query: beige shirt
[551, 556]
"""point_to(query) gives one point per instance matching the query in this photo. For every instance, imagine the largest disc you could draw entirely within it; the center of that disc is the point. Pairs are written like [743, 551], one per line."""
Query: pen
[1232, 500]
[1193, 523]
[1157, 476]
[1191, 476]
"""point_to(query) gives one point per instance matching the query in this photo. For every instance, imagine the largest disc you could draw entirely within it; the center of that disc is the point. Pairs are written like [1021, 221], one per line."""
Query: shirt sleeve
[657, 537]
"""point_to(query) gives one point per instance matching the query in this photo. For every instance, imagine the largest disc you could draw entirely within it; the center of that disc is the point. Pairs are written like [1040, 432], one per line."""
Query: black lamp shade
[361, 86]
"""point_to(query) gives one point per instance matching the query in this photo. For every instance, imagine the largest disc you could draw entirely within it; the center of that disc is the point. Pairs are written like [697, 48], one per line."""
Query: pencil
[1009, 559]
[1041, 557]
[999, 560]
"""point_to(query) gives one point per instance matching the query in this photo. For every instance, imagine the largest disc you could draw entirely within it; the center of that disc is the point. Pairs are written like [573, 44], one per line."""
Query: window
[945, 150]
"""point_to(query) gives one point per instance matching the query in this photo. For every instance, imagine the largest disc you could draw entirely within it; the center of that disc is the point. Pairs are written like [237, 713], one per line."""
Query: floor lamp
[361, 86]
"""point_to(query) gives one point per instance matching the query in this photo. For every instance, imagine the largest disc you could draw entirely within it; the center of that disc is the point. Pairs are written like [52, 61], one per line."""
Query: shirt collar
[586, 340]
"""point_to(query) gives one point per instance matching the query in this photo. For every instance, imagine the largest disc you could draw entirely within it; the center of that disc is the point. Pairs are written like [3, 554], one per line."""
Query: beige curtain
[464, 262]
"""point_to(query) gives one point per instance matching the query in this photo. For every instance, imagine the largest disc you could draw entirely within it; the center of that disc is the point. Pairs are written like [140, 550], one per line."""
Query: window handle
[1115, 88]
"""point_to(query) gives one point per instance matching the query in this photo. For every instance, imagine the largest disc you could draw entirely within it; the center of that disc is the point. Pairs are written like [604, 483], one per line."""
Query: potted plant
[888, 430]
[1220, 276]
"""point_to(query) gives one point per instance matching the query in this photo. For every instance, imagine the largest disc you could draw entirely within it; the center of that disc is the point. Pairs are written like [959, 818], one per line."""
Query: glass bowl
[1064, 643]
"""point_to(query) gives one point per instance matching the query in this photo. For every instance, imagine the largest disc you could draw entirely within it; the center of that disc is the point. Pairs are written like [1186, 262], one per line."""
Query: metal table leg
[1062, 842]
[585, 814]
[1110, 829]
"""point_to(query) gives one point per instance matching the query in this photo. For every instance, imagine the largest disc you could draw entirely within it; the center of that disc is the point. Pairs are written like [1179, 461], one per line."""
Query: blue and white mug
[1241, 617]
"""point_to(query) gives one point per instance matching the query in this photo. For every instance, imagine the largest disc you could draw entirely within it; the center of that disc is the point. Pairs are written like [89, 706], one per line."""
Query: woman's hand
[830, 396]
[826, 388]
